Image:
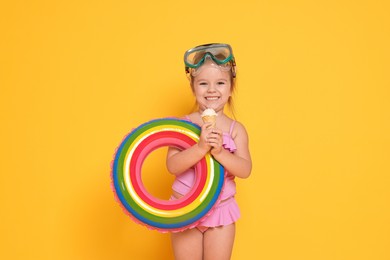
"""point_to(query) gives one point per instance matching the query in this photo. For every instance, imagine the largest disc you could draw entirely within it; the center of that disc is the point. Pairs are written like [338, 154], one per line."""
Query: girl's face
[212, 87]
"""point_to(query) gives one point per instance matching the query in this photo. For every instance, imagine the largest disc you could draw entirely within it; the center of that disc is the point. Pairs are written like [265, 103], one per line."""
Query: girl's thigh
[218, 242]
[187, 245]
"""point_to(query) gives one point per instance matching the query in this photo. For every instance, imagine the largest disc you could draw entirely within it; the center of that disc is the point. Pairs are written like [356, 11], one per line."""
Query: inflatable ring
[141, 206]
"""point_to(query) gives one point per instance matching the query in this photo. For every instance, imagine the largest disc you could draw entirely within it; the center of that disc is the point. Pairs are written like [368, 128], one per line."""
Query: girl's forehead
[212, 70]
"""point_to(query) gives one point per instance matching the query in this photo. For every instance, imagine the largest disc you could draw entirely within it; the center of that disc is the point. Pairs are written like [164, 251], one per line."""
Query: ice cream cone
[209, 116]
[210, 119]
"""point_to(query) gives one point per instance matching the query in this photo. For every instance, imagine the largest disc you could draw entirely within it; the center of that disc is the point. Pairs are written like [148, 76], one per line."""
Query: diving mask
[221, 54]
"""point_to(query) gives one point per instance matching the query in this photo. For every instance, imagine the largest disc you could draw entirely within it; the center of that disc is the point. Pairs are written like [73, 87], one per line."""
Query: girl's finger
[217, 131]
[206, 126]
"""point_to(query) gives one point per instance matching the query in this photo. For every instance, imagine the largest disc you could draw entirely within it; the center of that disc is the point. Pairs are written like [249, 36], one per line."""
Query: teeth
[211, 98]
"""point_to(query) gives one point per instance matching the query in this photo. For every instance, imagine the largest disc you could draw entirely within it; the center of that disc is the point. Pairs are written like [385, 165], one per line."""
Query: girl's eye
[221, 83]
[203, 83]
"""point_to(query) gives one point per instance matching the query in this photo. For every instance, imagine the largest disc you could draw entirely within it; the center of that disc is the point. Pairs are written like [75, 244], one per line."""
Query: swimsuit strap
[231, 127]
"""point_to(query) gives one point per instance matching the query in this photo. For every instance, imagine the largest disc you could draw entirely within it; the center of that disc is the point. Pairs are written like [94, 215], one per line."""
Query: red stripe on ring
[151, 146]
[145, 152]
[151, 143]
[148, 145]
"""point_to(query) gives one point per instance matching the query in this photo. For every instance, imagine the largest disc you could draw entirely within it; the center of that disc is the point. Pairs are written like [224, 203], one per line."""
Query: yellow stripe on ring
[159, 212]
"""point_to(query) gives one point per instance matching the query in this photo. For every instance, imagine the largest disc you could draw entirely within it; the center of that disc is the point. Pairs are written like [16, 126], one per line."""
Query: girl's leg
[187, 244]
[218, 242]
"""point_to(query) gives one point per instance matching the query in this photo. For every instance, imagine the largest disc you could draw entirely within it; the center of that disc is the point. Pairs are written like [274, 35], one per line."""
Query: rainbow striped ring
[141, 206]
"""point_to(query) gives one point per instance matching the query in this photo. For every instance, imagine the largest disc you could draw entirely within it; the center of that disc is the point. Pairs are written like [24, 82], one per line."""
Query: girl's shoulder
[238, 129]
[194, 118]
[193, 115]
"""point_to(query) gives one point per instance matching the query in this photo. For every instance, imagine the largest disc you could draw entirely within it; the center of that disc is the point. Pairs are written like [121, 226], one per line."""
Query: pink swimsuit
[227, 211]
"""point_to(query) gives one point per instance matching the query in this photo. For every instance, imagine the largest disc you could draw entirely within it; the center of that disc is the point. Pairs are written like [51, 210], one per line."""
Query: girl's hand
[215, 140]
[203, 141]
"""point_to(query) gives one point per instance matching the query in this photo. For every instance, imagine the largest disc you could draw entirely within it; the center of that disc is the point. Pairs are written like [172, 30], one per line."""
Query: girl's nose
[211, 88]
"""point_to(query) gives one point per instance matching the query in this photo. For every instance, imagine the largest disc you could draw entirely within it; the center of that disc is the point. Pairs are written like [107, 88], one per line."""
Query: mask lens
[220, 53]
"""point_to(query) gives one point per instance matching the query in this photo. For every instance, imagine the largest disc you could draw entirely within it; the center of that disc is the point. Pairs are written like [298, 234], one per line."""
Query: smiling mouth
[212, 98]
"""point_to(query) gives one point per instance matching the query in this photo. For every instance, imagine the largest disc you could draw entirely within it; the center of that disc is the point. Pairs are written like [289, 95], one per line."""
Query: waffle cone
[210, 119]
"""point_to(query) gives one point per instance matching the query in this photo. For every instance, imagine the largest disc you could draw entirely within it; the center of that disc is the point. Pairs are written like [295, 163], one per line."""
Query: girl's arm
[179, 161]
[238, 163]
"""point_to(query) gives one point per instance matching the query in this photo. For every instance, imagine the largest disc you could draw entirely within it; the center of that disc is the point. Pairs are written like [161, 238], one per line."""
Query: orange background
[313, 92]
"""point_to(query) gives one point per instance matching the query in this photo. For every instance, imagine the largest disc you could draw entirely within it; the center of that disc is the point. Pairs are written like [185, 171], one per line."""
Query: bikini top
[227, 139]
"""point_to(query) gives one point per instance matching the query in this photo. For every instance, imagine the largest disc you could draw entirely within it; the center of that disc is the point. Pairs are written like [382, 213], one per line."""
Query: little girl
[212, 72]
